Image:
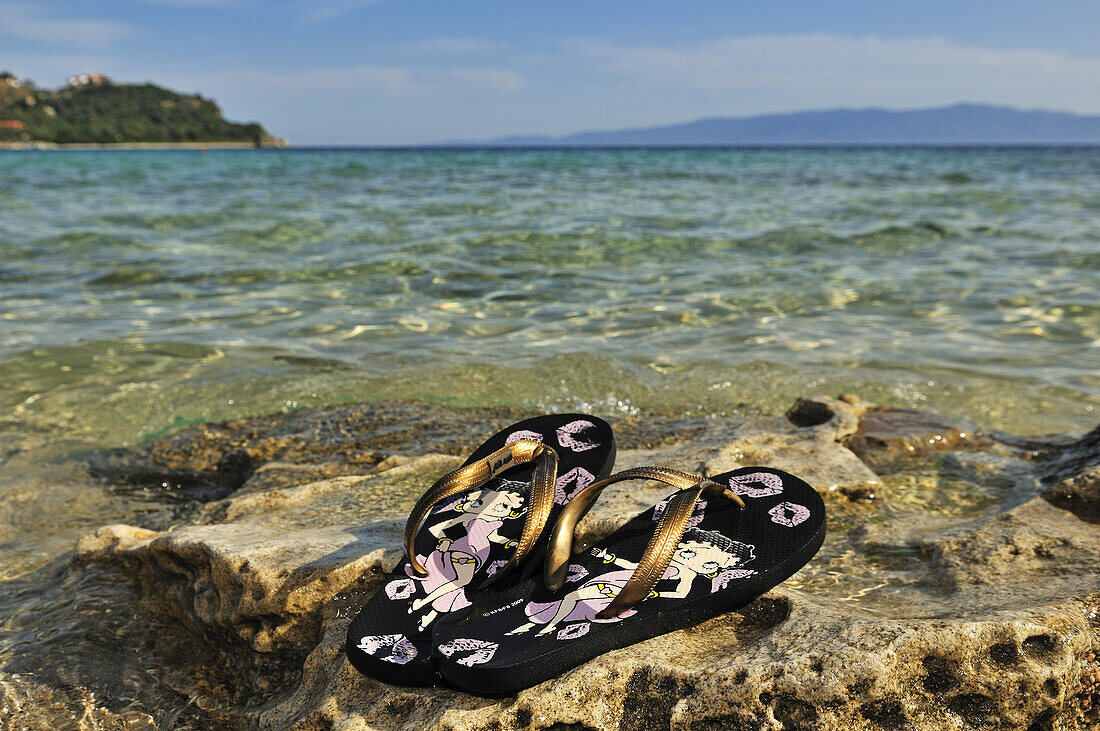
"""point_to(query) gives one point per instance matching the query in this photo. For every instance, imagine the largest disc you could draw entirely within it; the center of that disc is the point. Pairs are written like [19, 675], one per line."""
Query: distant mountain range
[961, 124]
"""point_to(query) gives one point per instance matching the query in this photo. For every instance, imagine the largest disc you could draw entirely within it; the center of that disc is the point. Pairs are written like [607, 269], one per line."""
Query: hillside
[961, 124]
[92, 109]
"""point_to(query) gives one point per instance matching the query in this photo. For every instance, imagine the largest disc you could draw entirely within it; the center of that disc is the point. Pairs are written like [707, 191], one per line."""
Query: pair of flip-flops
[465, 605]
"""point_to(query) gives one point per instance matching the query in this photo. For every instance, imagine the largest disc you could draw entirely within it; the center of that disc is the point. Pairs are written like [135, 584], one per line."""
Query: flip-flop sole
[463, 541]
[728, 557]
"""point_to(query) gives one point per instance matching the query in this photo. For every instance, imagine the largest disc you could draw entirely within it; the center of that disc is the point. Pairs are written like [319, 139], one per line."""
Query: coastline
[32, 146]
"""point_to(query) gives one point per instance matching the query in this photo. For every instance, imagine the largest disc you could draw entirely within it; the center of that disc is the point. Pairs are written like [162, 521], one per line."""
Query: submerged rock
[887, 435]
[211, 461]
[954, 591]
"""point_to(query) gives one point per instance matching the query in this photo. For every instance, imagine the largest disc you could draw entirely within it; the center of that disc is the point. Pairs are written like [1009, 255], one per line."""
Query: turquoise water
[144, 290]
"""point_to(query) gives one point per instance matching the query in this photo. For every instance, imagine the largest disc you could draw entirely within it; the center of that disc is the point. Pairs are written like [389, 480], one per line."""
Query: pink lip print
[723, 579]
[788, 514]
[576, 573]
[567, 436]
[495, 566]
[573, 631]
[400, 649]
[400, 589]
[523, 434]
[578, 477]
[742, 484]
[481, 651]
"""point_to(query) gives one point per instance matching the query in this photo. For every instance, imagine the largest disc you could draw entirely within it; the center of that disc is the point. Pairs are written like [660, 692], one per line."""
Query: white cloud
[194, 3]
[814, 70]
[393, 81]
[29, 22]
[321, 11]
[453, 45]
[385, 80]
[364, 104]
[488, 79]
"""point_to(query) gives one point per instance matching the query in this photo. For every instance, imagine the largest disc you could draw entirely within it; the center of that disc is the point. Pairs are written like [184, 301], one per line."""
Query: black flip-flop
[709, 548]
[474, 528]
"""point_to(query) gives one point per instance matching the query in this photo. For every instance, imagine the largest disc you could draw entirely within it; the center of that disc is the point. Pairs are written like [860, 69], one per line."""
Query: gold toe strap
[662, 546]
[475, 475]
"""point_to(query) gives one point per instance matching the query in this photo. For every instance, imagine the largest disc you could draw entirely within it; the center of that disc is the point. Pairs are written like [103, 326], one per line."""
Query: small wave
[132, 276]
[16, 275]
[323, 365]
[805, 238]
[669, 223]
[168, 222]
[72, 241]
[901, 236]
[295, 231]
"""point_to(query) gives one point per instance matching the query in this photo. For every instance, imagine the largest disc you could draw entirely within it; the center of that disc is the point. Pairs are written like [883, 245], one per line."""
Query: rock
[260, 572]
[1063, 457]
[111, 538]
[783, 662]
[888, 434]
[1073, 472]
[812, 448]
[1079, 494]
[841, 415]
[814, 456]
[918, 613]
[211, 461]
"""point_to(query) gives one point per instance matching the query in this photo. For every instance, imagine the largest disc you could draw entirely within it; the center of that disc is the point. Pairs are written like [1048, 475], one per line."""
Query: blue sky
[415, 71]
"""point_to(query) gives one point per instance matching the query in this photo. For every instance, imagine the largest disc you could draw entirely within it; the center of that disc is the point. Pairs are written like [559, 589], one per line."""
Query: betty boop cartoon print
[453, 563]
[701, 553]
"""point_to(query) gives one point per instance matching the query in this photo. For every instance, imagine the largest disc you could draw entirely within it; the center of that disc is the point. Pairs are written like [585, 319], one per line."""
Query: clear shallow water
[141, 290]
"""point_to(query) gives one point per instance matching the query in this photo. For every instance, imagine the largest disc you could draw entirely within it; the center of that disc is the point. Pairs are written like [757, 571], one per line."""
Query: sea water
[143, 291]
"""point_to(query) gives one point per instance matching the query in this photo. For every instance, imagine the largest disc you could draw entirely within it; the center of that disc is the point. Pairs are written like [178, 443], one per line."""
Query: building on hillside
[88, 80]
[12, 124]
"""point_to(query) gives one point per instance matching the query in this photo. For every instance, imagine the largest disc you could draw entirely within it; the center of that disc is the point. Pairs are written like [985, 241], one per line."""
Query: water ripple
[963, 280]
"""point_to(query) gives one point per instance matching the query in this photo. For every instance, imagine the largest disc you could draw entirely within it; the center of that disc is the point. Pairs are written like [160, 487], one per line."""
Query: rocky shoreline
[958, 588]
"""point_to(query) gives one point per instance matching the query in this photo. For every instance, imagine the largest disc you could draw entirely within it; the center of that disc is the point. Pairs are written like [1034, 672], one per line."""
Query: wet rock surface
[891, 434]
[959, 586]
[1072, 472]
[210, 461]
